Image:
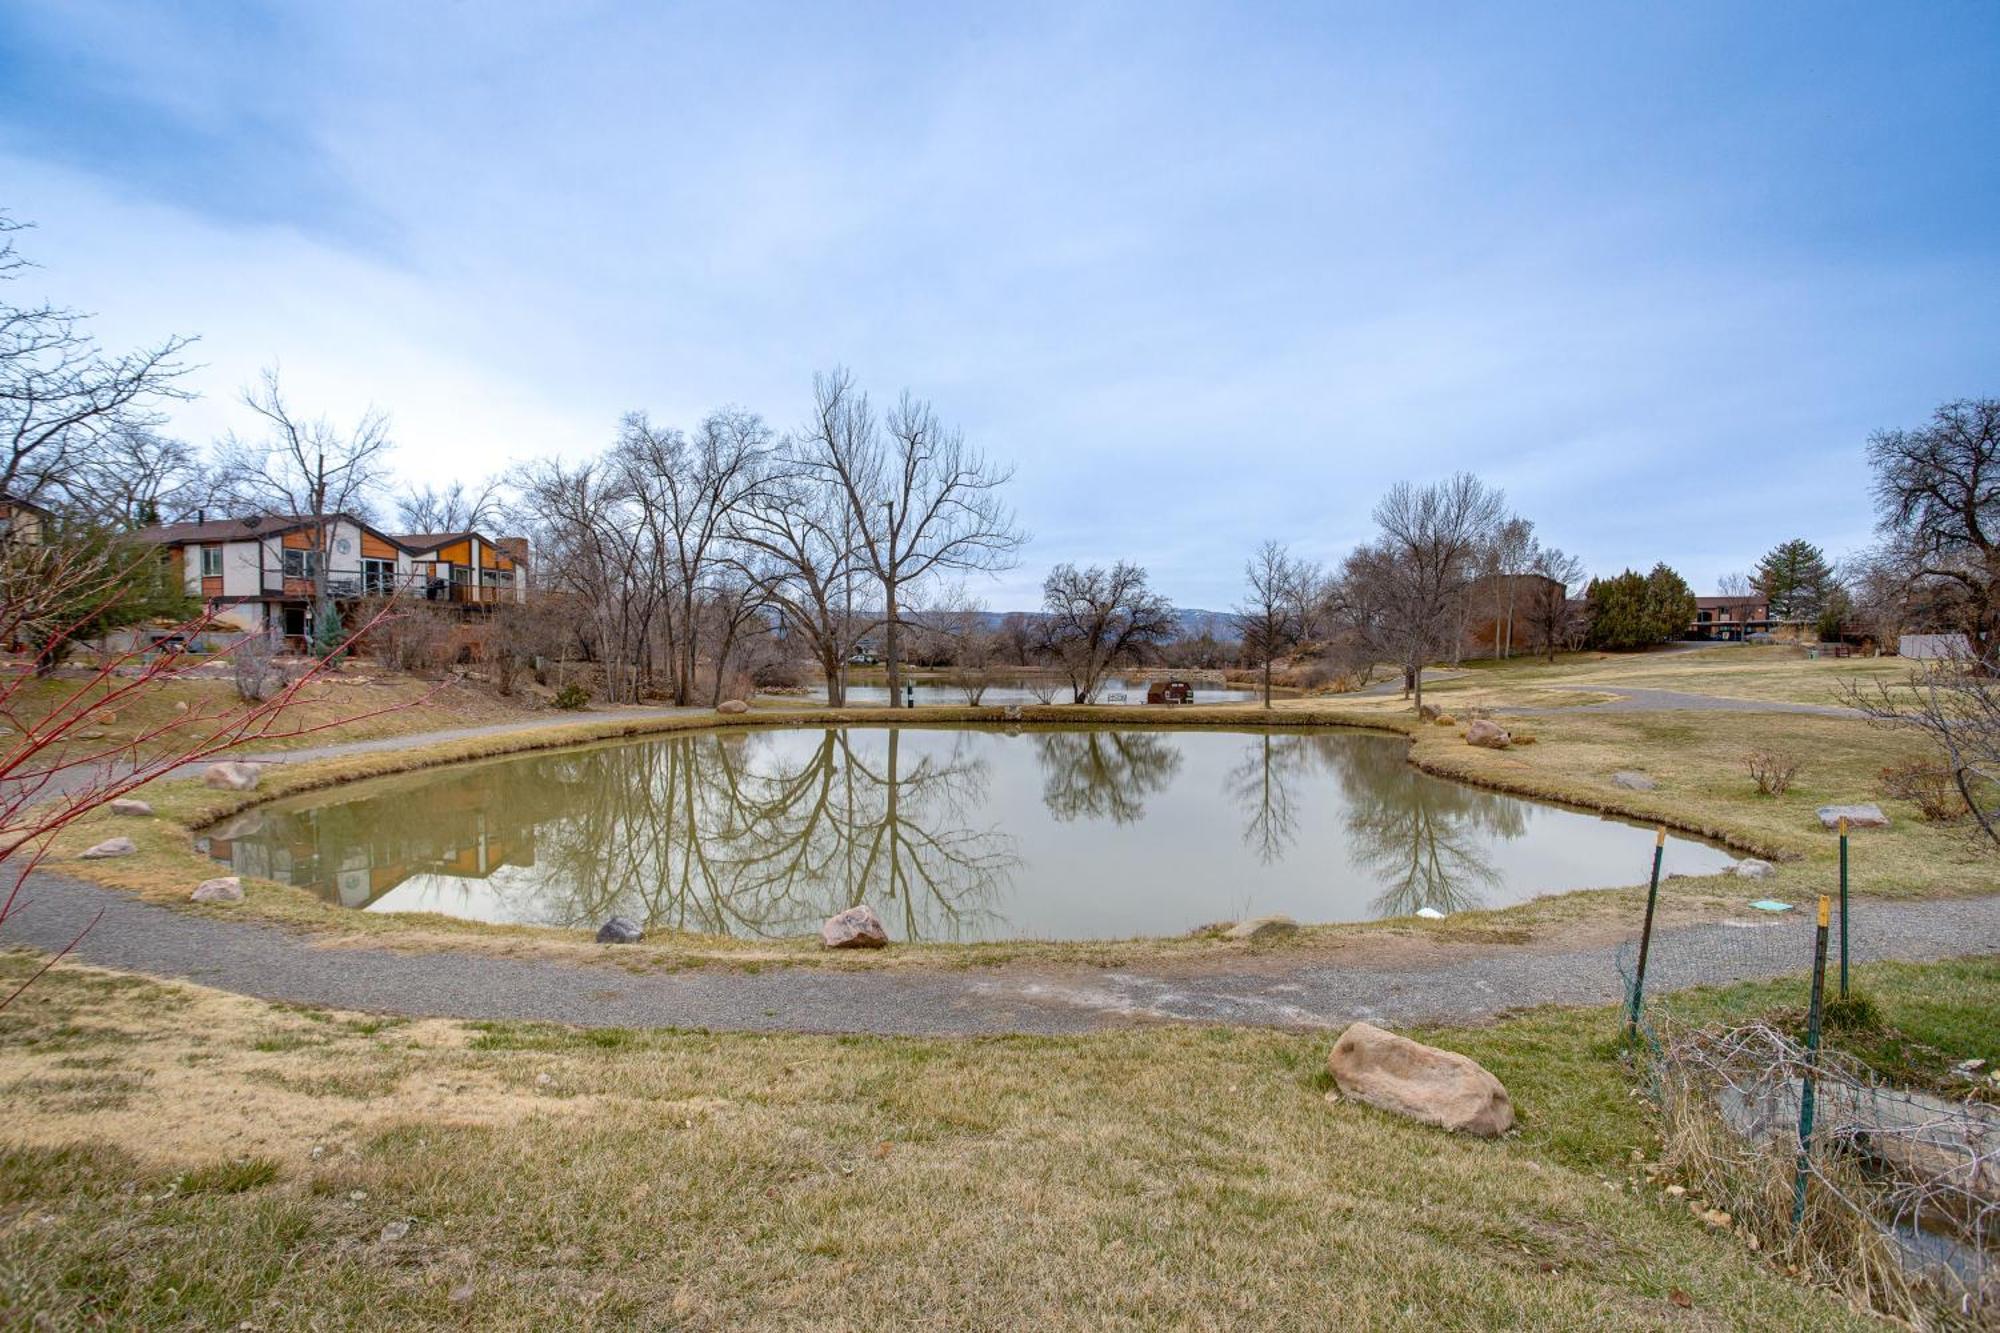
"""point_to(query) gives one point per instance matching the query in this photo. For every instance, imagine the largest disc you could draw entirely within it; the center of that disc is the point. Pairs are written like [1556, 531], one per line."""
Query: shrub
[258, 676]
[572, 697]
[1773, 770]
[1929, 786]
[1855, 1012]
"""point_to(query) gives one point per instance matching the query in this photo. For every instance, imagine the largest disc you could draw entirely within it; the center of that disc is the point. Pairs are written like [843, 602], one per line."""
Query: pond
[951, 834]
[1020, 691]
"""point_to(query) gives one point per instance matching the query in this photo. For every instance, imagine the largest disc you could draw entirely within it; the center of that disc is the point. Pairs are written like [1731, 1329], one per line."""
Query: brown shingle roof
[223, 529]
[429, 541]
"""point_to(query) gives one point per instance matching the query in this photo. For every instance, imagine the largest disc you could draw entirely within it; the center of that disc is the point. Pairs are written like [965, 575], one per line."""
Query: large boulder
[1632, 781]
[227, 889]
[1751, 868]
[1408, 1078]
[232, 777]
[1487, 733]
[109, 847]
[732, 707]
[1857, 816]
[127, 805]
[856, 928]
[619, 930]
[1262, 928]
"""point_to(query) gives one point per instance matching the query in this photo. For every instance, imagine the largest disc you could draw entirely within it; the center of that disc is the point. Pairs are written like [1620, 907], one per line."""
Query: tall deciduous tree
[1937, 504]
[1794, 580]
[1552, 620]
[61, 395]
[689, 492]
[305, 467]
[1095, 618]
[1423, 563]
[922, 501]
[1270, 618]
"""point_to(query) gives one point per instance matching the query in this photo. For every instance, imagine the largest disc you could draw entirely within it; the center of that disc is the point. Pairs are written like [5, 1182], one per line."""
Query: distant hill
[1194, 621]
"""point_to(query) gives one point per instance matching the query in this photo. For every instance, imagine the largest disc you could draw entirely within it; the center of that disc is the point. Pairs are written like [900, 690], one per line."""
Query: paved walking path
[275, 963]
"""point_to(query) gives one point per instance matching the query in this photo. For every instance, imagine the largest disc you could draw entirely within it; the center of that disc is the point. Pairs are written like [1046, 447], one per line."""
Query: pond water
[1018, 691]
[951, 834]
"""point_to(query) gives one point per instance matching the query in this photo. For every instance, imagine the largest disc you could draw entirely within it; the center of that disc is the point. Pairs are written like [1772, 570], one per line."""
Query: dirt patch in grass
[237, 1077]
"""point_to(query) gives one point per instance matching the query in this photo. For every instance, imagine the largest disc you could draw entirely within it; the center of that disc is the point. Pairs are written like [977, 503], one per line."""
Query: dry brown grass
[538, 1177]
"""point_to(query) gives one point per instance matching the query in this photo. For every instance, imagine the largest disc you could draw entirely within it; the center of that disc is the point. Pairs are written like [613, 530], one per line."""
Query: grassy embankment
[353, 703]
[183, 1158]
[1696, 758]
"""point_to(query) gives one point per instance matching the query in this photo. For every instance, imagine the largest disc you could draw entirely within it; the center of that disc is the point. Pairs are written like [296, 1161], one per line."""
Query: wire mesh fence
[1893, 1197]
[1890, 1195]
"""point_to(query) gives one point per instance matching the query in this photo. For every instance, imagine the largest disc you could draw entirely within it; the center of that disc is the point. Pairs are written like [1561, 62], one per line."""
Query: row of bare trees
[681, 548]
[1442, 555]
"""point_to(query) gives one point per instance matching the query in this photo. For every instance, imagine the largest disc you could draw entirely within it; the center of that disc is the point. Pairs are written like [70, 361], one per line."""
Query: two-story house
[259, 572]
[466, 568]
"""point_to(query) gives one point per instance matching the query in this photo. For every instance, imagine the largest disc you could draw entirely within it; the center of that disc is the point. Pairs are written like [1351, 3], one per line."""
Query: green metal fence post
[1809, 1081]
[1843, 907]
[1646, 935]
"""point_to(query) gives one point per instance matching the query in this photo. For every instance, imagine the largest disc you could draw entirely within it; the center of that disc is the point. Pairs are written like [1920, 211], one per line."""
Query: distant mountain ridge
[1194, 621]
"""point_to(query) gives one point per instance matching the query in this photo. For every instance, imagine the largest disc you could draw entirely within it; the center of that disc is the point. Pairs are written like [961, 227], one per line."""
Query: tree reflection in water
[1267, 780]
[1424, 838]
[726, 833]
[1101, 774]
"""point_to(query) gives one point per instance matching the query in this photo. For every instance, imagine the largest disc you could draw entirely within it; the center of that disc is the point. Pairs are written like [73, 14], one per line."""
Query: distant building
[21, 520]
[1730, 619]
[259, 572]
[1934, 647]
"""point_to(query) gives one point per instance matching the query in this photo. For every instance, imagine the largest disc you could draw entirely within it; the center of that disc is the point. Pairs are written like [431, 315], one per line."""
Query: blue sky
[1205, 274]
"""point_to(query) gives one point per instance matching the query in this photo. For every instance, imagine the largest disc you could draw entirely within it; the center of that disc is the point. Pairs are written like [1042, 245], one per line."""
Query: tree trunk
[889, 643]
[1267, 682]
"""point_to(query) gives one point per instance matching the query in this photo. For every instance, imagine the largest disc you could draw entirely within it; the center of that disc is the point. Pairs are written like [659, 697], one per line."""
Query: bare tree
[1735, 584]
[451, 508]
[1430, 538]
[921, 500]
[1095, 619]
[1506, 558]
[305, 467]
[600, 557]
[131, 475]
[689, 492]
[1955, 702]
[1553, 621]
[61, 396]
[806, 534]
[1937, 503]
[1269, 617]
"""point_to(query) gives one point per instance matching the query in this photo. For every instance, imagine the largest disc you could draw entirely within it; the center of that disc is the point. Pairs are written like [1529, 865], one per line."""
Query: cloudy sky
[1205, 275]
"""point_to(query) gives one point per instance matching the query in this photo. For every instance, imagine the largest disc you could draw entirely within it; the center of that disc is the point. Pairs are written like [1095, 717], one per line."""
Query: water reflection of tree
[1101, 774]
[1425, 839]
[1266, 783]
[726, 834]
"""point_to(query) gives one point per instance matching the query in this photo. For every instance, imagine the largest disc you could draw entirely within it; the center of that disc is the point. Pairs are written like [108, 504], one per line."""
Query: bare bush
[414, 636]
[1955, 703]
[1773, 770]
[1044, 688]
[258, 675]
[971, 682]
[1929, 786]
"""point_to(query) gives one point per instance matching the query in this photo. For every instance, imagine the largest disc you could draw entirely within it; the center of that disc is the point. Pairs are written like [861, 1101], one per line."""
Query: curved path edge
[273, 963]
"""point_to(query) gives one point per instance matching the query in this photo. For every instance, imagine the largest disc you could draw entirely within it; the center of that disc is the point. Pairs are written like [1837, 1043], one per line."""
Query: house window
[211, 562]
[301, 564]
[378, 577]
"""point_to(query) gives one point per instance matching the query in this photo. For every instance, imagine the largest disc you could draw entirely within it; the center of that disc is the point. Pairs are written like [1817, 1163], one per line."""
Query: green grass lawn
[178, 1158]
